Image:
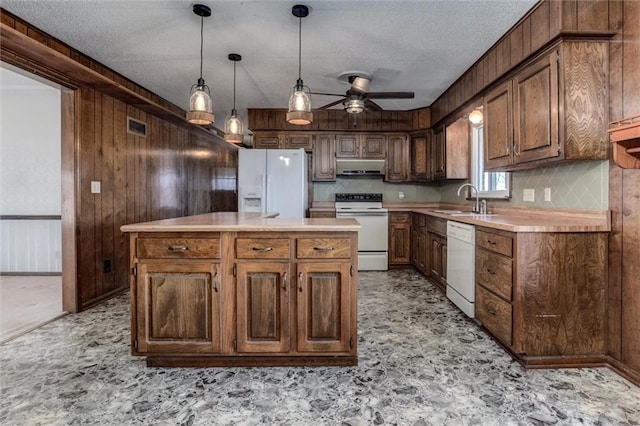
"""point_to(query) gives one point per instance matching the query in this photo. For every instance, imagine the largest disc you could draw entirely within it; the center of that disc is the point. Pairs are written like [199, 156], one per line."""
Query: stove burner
[358, 197]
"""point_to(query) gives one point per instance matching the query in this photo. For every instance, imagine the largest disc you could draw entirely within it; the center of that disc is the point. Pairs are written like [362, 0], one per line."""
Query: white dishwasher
[461, 266]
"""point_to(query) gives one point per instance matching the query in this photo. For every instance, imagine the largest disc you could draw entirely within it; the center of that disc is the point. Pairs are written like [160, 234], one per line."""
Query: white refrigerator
[273, 180]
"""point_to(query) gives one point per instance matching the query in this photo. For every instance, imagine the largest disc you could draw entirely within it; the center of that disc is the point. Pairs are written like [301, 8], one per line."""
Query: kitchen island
[244, 289]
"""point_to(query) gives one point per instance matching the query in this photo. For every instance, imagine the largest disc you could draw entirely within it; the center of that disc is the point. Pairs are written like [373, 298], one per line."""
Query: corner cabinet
[554, 109]
[245, 298]
[542, 295]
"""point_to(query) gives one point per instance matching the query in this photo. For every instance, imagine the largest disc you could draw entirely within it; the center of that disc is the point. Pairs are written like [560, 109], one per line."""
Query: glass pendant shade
[233, 128]
[300, 105]
[200, 105]
[475, 117]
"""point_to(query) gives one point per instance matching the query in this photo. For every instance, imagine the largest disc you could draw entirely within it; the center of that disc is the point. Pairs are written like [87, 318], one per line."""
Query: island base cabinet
[178, 308]
[263, 308]
[323, 305]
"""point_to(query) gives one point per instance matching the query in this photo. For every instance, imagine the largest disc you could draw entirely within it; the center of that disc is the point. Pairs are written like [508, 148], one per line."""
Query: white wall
[30, 173]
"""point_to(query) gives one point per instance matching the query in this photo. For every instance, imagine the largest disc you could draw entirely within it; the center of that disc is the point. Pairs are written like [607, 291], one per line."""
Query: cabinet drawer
[436, 225]
[178, 248]
[400, 217]
[495, 242]
[323, 248]
[494, 272]
[262, 248]
[494, 313]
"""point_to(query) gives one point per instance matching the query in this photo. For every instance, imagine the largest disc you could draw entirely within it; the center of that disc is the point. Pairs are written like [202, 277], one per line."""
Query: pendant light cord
[300, 49]
[201, 42]
[234, 87]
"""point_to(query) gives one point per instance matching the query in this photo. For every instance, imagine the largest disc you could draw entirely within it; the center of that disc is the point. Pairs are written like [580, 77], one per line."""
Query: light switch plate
[95, 186]
[528, 194]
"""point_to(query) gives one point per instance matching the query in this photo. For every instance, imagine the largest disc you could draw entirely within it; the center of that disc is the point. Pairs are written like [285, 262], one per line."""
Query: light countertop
[242, 222]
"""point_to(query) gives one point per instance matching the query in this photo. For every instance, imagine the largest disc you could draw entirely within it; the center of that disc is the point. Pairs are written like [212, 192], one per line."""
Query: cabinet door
[178, 307]
[263, 323]
[324, 307]
[373, 146]
[298, 140]
[347, 146]
[438, 154]
[266, 140]
[434, 256]
[398, 159]
[399, 244]
[414, 248]
[536, 111]
[419, 169]
[443, 261]
[498, 127]
[458, 149]
[324, 158]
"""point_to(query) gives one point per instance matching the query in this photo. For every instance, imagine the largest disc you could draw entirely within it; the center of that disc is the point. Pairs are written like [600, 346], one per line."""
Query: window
[489, 184]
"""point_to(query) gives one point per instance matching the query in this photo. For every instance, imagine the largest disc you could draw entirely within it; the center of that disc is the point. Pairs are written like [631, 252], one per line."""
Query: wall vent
[136, 127]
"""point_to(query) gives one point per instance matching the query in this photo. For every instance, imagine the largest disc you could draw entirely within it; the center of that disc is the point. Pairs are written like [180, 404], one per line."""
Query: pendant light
[300, 97]
[475, 117]
[233, 129]
[200, 108]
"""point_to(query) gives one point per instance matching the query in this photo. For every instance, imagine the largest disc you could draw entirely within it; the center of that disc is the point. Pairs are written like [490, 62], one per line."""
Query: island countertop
[242, 222]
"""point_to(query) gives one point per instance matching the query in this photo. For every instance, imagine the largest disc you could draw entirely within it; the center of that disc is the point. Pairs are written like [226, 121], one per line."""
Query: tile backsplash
[577, 185]
[324, 191]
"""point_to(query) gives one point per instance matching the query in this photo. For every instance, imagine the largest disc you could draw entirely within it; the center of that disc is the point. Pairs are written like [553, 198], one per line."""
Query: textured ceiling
[420, 46]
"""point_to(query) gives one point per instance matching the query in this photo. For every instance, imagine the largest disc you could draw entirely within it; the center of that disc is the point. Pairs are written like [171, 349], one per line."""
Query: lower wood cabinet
[542, 295]
[399, 238]
[178, 307]
[261, 298]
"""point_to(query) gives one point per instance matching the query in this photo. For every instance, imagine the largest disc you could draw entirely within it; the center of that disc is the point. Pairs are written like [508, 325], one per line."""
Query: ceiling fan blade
[372, 106]
[391, 95]
[339, 101]
[325, 94]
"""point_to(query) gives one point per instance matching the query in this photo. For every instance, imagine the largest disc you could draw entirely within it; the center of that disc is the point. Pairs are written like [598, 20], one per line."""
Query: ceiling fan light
[476, 117]
[200, 105]
[360, 84]
[354, 106]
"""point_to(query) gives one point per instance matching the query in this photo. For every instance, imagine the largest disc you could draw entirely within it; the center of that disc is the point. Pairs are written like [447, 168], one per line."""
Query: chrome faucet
[476, 205]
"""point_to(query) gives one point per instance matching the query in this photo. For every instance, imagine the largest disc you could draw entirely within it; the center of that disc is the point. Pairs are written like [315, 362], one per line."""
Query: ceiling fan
[358, 98]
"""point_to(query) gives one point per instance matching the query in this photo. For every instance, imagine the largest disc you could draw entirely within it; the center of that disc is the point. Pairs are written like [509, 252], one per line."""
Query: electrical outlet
[528, 194]
[401, 195]
[95, 186]
[107, 266]
[547, 194]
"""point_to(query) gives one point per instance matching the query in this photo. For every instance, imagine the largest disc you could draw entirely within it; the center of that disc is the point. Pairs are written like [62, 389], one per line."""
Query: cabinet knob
[491, 308]
[285, 277]
[491, 271]
[216, 281]
[178, 247]
[300, 282]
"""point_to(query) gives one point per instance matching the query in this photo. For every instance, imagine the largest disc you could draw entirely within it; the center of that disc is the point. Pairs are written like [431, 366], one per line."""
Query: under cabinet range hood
[359, 167]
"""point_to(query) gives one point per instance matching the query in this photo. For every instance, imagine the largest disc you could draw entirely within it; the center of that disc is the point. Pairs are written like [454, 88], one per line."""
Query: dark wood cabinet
[399, 238]
[420, 156]
[457, 160]
[283, 140]
[436, 250]
[554, 109]
[419, 249]
[324, 158]
[397, 164]
[322, 214]
[543, 294]
[438, 154]
[361, 145]
[324, 307]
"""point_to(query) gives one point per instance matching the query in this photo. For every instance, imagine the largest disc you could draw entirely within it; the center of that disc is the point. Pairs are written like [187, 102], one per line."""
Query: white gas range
[373, 238]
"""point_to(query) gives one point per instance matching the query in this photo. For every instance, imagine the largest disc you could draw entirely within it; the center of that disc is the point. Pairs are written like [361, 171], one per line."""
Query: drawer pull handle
[284, 281]
[262, 249]
[300, 282]
[491, 271]
[491, 308]
[178, 248]
[216, 281]
[491, 242]
[323, 248]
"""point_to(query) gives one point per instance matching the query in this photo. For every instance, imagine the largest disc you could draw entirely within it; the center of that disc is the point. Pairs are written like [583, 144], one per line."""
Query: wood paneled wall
[624, 194]
[171, 172]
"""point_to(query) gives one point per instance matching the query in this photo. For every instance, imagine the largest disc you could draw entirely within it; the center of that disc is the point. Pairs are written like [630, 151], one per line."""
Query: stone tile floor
[421, 362]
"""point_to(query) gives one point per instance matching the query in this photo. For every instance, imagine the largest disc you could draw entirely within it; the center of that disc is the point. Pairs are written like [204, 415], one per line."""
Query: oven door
[375, 229]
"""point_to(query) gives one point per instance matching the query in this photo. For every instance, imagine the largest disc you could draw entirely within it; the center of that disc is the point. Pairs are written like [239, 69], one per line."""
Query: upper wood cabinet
[451, 151]
[420, 148]
[361, 145]
[324, 158]
[438, 154]
[397, 164]
[552, 110]
[283, 140]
